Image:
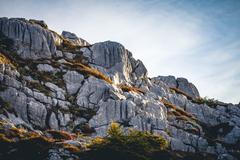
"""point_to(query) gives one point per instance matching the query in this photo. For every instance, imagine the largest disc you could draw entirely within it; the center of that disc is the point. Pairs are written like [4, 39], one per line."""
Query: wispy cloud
[193, 39]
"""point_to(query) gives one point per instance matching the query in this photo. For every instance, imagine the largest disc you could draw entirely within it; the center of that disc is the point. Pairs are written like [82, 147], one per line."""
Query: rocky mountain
[55, 85]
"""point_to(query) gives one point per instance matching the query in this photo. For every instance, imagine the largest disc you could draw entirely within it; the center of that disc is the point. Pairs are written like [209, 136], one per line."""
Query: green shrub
[115, 131]
[5, 105]
[209, 101]
[132, 145]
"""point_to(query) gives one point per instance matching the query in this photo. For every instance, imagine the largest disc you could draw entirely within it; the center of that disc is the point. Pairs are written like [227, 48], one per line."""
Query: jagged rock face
[113, 59]
[32, 41]
[187, 87]
[48, 93]
[73, 38]
[180, 83]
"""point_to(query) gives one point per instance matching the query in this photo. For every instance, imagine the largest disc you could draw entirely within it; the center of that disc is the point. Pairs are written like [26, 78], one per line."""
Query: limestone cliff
[61, 82]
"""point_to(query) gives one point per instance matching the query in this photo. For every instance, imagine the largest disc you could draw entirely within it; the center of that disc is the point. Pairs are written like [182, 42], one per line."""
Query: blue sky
[196, 39]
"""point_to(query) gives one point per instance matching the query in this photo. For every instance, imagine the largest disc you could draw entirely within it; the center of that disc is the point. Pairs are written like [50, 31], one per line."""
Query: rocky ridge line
[61, 82]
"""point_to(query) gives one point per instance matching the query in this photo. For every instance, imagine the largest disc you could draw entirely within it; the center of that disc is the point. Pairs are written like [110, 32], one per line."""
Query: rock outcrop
[61, 82]
[73, 38]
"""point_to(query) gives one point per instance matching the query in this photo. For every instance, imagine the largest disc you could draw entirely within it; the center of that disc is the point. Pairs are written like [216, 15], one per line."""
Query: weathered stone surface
[138, 68]
[60, 93]
[206, 114]
[79, 121]
[73, 81]
[180, 146]
[10, 81]
[189, 88]
[39, 22]
[116, 59]
[158, 88]
[152, 116]
[178, 100]
[46, 68]
[32, 41]
[60, 154]
[17, 100]
[113, 111]
[68, 55]
[53, 122]
[147, 118]
[59, 54]
[73, 38]
[17, 121]
[233, 136]
[42, 98]
[226, 157]
[91, 92]
[37, 114]
[64, 105]
[180, 83]
[169, 80]
[64, 119]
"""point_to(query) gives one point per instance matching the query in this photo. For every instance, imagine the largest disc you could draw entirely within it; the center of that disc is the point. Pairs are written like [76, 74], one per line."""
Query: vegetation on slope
[132, 145]
[208, 101]
[205, 100]
[181, 92]
[135, 145]
[4, 60]
[178, 111]
[21, 144]
[98, 74]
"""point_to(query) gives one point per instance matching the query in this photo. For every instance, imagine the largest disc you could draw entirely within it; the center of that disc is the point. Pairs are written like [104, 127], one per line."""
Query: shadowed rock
[31, 40]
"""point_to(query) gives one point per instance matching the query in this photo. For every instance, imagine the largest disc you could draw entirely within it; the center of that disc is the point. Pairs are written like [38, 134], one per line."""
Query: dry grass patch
[69, 46]
[65, 44]
[180, 116]
[189, 120]
[19, 135]
[4, 138]
[178, 111]
[60, 135]
[127, 88]
[89, 70]
[98, 74]
[70, 147]
[5, 60]
[181, 92]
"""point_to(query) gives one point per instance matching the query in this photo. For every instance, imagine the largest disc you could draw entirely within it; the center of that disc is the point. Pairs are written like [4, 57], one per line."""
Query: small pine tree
[115, 130]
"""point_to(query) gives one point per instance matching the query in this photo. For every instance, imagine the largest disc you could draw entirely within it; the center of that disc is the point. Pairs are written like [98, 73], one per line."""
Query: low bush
[208, 101]
[132, 145]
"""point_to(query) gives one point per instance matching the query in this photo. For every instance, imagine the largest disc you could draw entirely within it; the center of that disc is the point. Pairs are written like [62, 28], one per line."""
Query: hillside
[58, 93]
